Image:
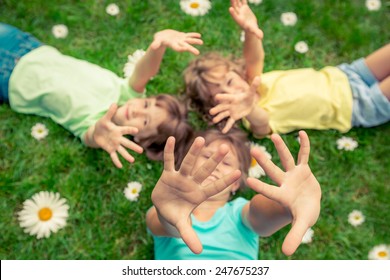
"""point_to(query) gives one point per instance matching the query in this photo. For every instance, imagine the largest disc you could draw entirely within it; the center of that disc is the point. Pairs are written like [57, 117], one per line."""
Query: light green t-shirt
[224, 237]
[72, 92]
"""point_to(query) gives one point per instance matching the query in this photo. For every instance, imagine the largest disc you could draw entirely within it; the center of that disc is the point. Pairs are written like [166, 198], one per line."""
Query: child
[192, 207]
[38, 79]
[283, 101]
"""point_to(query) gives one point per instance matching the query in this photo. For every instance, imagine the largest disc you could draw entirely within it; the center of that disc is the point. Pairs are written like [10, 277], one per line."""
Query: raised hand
[110, 138]
[176, 40]
[245, 18]
[299, 191]
[235, 105]
[178, 193]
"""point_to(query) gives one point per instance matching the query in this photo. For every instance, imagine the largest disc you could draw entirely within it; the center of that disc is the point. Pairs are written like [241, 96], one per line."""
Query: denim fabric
[14, 43]
[370, 106]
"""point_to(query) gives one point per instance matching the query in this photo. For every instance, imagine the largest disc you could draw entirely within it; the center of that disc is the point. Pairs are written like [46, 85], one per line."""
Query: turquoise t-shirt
[72, 92]
[224, 237]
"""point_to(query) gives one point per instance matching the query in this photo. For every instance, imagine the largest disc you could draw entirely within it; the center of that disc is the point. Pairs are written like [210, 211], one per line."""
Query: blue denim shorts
[370, 105]
[14, 43]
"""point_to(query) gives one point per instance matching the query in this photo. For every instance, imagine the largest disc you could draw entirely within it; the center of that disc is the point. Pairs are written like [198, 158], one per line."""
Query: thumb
[155, 44]
[111, 111]
[256, 83]
[294, 237]
[189, 237]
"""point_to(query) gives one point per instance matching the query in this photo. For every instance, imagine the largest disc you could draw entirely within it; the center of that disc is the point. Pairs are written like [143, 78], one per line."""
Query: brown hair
[196, 77]
[175, 125]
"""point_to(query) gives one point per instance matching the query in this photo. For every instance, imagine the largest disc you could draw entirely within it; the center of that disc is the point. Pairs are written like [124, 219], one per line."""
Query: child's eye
[146, 104]
[145, 122]
[229, 82]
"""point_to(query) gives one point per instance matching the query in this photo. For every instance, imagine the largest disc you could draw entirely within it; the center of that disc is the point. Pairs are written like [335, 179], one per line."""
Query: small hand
[178, 193]
[299, 191]
[235, 106]
[110, 138]
[178, 41]
[245, 18]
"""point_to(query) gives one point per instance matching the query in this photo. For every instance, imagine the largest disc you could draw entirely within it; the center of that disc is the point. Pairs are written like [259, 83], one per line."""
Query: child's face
[141, 113]
[226, 166]
[223, 80]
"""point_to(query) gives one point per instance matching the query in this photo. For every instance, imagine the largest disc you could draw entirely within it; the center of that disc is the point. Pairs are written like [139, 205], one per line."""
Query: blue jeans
[370, 106]
[14, 43]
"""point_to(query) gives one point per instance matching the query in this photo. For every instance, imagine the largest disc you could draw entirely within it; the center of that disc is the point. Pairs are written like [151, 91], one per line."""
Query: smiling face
[142, 113]
[222, 80]
[226, 166]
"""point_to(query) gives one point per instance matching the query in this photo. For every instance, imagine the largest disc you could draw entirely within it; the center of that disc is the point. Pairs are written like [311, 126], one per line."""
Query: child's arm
[296, 200]
[107, 135]
[237, 105]
[149, 64]
[178, 193]
[253, 46]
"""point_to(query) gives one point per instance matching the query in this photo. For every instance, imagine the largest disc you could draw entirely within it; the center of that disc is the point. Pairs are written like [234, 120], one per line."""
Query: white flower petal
[301, 47]
[29, 216]
[195, 7]
[112, 9]
[380, 252]
[60, 31]
[289, 18]
[255, 2]
[373, 5]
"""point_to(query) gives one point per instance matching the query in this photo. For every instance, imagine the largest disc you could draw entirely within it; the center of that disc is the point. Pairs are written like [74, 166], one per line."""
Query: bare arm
[253, 45]
[149, 64]
[296, 200]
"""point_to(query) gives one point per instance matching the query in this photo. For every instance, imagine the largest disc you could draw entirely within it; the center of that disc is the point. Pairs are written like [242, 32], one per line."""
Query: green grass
[104, 225]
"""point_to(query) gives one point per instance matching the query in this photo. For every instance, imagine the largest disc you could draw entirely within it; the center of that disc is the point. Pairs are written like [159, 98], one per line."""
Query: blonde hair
[197, 78]
[174, 125]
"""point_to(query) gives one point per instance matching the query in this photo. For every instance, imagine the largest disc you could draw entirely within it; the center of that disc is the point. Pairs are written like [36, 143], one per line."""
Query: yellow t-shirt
[306, 99]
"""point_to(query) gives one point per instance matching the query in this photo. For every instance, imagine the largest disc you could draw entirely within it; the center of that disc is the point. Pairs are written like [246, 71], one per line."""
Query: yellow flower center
[194, 5]
[357, 218]
[45, 214]
[253, 162]
[134, 191]
[382, 254]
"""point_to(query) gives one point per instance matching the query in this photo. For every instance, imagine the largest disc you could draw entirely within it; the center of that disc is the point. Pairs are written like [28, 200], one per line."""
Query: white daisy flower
[346, 143]
[195, 7]
[308, 237]
[289, 18]
[112, 9]
[132, 60]
[356, 218]
[373, 5]
[380, 252]
[301, 47]
[255, 170]
[43, 214]
[242, 36]
[60, 31]
[256, 2]
[39, 131]
[132, 191]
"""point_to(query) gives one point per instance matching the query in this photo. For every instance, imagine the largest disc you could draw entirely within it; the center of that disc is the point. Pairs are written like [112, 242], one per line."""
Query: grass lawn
[102, 223]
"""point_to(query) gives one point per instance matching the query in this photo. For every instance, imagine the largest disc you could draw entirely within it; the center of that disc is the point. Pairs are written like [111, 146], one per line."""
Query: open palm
[178, 193]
